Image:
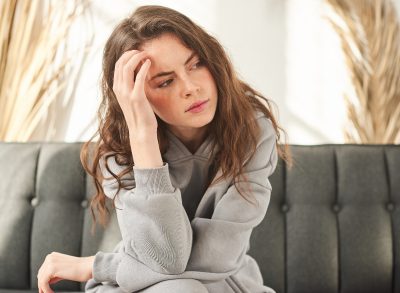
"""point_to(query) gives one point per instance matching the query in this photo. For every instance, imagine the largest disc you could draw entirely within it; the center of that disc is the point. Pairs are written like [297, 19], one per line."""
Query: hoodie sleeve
[219, 243]
[154, 226]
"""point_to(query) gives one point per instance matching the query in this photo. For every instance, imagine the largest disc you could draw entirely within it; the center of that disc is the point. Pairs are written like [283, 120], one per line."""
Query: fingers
[117, 68]
[130, 92]
[128, 73]
[124, 71]
[46, 288]
[43, 282]
[43, 285]
[45, 274]
[141, 76]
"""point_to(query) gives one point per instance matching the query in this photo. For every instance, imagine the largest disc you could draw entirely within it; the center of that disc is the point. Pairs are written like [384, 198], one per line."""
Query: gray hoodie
[172, 228]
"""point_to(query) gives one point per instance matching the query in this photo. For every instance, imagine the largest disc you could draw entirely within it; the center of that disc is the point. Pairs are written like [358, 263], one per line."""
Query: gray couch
[333, 224]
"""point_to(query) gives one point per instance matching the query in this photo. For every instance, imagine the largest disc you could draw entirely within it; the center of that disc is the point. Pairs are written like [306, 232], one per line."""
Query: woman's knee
[177, 286]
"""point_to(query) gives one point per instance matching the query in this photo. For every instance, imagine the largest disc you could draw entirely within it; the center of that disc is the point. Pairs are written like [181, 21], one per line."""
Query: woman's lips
[197, 107]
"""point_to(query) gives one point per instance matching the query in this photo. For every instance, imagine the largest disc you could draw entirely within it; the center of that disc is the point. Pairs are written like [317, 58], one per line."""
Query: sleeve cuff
[153, 180]
[105, 266]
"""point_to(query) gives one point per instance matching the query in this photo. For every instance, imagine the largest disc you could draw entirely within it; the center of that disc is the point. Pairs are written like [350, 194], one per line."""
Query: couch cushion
[18, 163]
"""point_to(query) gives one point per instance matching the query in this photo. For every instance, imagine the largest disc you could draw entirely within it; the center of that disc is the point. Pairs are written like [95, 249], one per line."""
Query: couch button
[284, 208]
[84, 204]
[390, 207]
[34, 201]
[336, 208]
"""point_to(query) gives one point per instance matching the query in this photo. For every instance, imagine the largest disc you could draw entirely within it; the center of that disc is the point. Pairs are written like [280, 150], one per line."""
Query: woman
[185, 151]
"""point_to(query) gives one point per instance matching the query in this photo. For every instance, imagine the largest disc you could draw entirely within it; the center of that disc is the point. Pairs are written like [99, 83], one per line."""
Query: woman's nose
[189, 87]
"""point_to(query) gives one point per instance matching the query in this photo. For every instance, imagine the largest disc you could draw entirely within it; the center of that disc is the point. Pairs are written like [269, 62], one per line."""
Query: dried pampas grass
[34, 63]
[370, 35]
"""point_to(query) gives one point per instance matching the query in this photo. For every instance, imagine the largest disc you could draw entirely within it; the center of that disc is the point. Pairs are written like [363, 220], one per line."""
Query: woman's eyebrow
[170, 72]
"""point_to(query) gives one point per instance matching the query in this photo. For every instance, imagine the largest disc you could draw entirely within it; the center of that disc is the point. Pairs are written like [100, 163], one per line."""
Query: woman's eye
[197, 64]
[165, 83]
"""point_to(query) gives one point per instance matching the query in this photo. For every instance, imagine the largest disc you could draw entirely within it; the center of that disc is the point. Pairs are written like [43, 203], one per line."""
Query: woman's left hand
[58, 266]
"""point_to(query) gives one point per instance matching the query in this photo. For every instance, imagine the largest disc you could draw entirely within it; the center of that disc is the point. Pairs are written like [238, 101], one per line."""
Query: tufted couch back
[333, 224]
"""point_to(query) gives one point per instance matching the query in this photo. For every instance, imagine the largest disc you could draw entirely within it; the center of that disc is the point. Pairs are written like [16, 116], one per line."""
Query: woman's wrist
[146, 152]
[87, 265]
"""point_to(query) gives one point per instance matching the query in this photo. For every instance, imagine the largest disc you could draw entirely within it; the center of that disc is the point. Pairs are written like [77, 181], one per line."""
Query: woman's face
[176, 82]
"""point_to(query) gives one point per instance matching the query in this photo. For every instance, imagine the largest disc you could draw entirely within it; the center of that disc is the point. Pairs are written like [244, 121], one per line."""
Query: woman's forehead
[166, 52]
[164, 44]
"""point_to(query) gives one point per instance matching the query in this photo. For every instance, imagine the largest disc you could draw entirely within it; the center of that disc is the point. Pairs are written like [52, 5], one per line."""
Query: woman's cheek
[162, 104]
[159, 105]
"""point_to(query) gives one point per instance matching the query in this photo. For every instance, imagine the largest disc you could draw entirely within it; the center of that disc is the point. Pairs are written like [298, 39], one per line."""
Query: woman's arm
[154, 226]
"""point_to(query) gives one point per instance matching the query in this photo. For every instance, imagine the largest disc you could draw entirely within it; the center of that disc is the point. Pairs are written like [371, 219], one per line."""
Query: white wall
[284, 48]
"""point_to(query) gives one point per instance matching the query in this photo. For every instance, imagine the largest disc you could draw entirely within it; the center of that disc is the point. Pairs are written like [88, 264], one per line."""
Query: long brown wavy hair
[233, 130]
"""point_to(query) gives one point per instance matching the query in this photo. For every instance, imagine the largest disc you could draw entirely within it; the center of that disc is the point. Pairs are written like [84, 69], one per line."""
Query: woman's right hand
[129, 90]
[139, 115]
